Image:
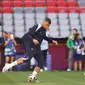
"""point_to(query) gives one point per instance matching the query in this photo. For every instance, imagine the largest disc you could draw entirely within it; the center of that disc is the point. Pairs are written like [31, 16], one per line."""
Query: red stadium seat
[50, 3]
[6, 3]
[72, 9]
[60, 0]
[82, 10]
[71, 3]
[51, 9]
[28, 3]
[6, 10]
[17, 3]
[39, 3]
[62, 10]
[61, 3]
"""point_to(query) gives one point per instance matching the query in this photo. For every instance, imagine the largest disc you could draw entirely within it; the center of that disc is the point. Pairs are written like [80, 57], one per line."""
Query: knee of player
[20, 60]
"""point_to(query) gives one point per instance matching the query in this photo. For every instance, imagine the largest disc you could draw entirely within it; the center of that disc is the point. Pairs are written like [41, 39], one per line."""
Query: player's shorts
[9, 54]
[37, 54]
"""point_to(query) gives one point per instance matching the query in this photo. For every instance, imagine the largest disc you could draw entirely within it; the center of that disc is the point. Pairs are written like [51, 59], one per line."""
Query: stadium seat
[63, 21]
[64, 34]
[72, 9]
[54, 35]
[28, 9]
[7, 16]
[18, 16]
[82, 22]
[18, 22]
[78, 27]
[83, 27]
[28, 3]
[38, 21]
[81, 3]
[64, 27]
[8, 28]
[6, 3]
[6, 10]
[18, 10]
[74, 21]
[71, 3]
[52, 15]
[51, 9]
[39, 3]
[17, 3]
[62, 10]
[81, 9]
[61, 3]
[73, 15]
[54, 28]
[38, 15]
[50, 3]
[19, 34]
[18, 28]
[40, 9]
[29, 16]
[8, 22]
[82, 16]
[63, 15]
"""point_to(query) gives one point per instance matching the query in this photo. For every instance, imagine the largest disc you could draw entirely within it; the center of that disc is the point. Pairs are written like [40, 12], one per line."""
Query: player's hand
[35, 41]
[55, 42]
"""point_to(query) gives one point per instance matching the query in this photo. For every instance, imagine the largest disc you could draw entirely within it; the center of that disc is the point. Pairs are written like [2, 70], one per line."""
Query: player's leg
[8, 66]
[39, 59]
[80, 65]
[18, 61]
[45, 59]
[70, 55]
[7, 59]
[75, 65]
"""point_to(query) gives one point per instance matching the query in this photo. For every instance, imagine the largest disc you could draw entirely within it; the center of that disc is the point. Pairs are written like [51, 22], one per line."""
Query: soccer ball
[84, 74]
[32, 78]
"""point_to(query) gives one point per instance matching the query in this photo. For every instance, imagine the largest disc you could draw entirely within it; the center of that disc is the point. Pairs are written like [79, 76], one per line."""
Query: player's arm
[6, 42]
[53, 41]
[31, 32]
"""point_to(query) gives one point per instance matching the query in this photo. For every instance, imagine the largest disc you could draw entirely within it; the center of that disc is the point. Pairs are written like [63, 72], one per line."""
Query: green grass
[45, 78]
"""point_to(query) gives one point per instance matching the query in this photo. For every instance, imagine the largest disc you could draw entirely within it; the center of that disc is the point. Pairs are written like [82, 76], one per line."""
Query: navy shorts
[36, 53]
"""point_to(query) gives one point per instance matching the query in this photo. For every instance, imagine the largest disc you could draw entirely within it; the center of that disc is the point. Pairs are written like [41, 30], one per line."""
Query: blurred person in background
[4, 36]
[44, 49]
[70, 45]
[9, 51]
[78, 52]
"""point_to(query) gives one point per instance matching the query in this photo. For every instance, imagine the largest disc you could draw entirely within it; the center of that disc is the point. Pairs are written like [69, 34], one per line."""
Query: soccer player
[31, 42]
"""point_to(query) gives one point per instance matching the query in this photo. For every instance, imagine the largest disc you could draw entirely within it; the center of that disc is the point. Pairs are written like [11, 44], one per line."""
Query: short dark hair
[75, 29]
[48, 20]
[5, 32]
[76, 35]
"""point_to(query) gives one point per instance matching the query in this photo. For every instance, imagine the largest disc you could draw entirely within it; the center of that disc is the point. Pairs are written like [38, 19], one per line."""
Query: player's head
[46, 23]
[4, 34]
[74, 31]
[77, 36]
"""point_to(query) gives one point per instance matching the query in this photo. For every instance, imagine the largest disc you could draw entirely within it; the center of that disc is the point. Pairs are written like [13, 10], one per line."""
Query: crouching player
[31, 42]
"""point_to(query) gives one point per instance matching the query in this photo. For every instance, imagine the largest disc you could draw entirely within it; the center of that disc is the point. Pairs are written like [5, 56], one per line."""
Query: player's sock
[34, 73]
[13, 64]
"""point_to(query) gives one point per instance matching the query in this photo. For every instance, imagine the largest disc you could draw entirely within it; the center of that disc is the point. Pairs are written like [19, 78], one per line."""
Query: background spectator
[77, 57]
[70, 45]
[9, 51]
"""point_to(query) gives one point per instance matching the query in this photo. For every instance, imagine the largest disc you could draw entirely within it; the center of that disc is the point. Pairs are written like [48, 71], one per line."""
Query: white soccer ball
[32, 78]
[84, 74]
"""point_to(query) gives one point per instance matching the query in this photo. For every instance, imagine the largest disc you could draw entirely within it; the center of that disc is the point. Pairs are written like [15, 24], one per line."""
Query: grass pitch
[45, 78]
